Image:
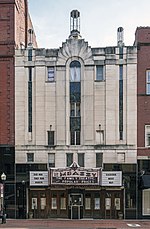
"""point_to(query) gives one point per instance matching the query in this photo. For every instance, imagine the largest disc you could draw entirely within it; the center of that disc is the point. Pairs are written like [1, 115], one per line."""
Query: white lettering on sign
[78, 176]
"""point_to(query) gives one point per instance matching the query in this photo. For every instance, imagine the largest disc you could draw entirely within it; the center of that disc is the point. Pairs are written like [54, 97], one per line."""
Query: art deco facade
[76, 136]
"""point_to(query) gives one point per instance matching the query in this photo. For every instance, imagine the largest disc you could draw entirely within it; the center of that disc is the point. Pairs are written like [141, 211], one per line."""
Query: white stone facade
[99, 104]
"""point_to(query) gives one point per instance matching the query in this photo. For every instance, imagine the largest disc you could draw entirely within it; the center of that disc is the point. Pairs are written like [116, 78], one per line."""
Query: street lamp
[3, 178]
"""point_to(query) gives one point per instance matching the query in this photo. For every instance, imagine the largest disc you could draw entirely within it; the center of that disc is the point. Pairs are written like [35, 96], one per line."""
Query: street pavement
[75, 224]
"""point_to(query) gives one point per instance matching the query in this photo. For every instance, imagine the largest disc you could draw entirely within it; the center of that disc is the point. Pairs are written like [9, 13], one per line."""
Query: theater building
[76, 136]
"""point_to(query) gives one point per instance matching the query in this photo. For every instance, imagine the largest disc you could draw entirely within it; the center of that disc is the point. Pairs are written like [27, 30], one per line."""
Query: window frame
[75, 66]
[67, 159]
[50, 159]
[30, 155]
[97, 164]
[50, 74]
[81, 156]
[51, 138]
[97, 78]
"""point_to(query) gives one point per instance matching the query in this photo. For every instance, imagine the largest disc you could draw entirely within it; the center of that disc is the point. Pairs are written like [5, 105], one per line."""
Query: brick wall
[142, 37]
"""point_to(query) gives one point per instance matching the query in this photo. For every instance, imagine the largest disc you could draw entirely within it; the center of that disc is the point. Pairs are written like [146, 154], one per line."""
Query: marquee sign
[111, 178]
[75, 175]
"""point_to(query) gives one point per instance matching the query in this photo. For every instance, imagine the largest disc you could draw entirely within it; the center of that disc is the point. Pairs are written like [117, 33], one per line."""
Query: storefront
[76, 193]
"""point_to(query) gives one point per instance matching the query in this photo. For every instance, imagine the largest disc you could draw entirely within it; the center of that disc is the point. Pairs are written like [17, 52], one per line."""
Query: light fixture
[3, 177]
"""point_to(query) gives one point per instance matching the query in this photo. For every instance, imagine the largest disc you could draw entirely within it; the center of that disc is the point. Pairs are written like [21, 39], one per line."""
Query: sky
[99, 20]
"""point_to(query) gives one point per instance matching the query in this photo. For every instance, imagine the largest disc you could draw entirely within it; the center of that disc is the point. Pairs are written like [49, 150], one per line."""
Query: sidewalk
[75, 224]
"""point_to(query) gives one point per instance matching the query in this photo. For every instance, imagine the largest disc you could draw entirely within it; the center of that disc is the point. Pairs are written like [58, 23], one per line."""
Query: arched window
[75, 71]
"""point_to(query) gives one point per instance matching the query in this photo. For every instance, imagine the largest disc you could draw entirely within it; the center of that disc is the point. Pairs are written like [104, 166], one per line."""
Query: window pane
[72, 138]
[51, 160]
[72, 109]
[99, 160]
[75, 92]
[69, 159]
[75, 71]
[78, 109]
[30, 157]
[148, 88]
[148, 76]
[75, 123]
[51, 73]
[81, 159]
[99, 73]
[50, 137]
[77, 137]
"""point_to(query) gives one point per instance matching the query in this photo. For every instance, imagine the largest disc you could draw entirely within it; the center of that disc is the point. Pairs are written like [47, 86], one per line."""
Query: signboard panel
[111, 178]
[77, 176]
[38, 178]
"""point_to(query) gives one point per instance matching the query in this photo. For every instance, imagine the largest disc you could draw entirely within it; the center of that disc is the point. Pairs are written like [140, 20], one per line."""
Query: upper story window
[75, 71]
[51, 160]
[30, 157]
[50, 74]
[147, 136]
[50, 137]
[99, 72]
[81, 159]
[99, 160]
[69, 159]
[148, 82]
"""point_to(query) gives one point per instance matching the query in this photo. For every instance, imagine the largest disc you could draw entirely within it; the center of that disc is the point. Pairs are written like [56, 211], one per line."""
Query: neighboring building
[76, 129]
[14, 21]
[142, 40]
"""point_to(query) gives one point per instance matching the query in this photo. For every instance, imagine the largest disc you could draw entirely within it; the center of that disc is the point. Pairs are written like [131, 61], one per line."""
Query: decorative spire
[75, 24]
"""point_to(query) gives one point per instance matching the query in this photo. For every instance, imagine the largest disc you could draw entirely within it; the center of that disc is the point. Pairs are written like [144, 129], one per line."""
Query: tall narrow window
[69, 159]
[75, 100]
[99, 73]
[30, 101]
[99, 160]
[30, 55]
[50, 74]
[121, 102]
[50, 138]
[148, 82]
[120, 52]
[51, 160]
[75, 71]
[81, 159]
